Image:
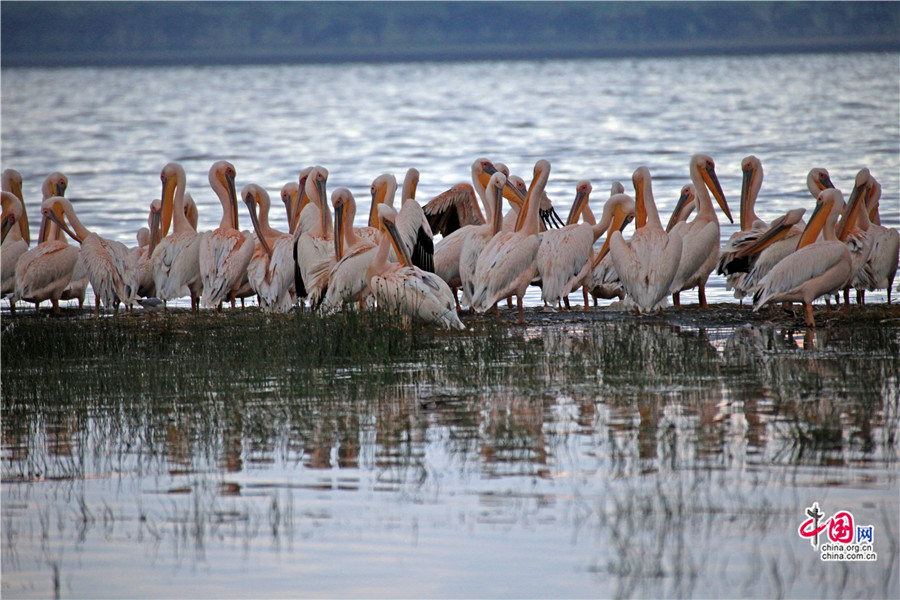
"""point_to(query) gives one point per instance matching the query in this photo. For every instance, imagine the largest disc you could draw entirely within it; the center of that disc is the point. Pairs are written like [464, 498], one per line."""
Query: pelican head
[171, 176]
[254, 195]
[344, 209]
[582, 197]
[818, 180]
[290, 195]
[53, 209]
[221, 176]
[55, 184]
[383, 188]
[12, 212]
[154, 223]
[388, 217]
[829, 205]
[684, 206]
[854, 205]
[622, 209]
[751, 167]
[706, 167]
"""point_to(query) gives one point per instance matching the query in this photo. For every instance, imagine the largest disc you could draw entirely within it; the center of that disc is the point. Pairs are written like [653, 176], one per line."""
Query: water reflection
[632, 442]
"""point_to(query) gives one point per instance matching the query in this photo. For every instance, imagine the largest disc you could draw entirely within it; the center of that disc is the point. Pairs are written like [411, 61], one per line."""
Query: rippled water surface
[112, 130]
[585, 455]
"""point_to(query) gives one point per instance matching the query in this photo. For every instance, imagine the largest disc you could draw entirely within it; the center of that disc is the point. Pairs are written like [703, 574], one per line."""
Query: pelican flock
[463, 249]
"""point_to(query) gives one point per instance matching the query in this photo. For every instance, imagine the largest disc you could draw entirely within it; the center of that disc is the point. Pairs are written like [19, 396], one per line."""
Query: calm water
[112, 130]
[594, 459]
[590, 458]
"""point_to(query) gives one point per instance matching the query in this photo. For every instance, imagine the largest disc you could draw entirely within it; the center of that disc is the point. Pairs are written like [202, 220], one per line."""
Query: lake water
[112, 130]
[582, 456]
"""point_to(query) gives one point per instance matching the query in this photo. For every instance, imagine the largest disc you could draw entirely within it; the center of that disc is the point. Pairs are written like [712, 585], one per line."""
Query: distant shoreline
[443, 54]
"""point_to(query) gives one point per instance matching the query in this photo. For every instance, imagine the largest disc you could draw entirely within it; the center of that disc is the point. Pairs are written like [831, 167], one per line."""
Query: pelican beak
[824, 182]
[61, 188]
[514, 195]
[44, 231]
[377, 198]
[640, 219]
[577, 207]
[61, 223]
[778, 230]
[620, 221]
[712, 182]
[250, 201]
[851, 212]
[339, 231]
[168, 195]
[683, 201]
[288, 206]
[549, 218]
[746, 183]
[232, 196]
[399, 247]
[498, 210]
[16, 188]
[816, 223]
[155, 219]
[6, 224]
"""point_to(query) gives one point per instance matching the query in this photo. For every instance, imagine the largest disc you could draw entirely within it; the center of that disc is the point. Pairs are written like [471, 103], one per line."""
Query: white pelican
[110, 265]
[817, 268]
[647, 264]
[406, 289]
[618, 212]
[478, 236]
[347, 280]
[290, 196]
[604, 281]
[751, 228]
[506, 266]
[314, 245]
[457, 219]
[11, 181]
[148, 238]
[853, 230]
[563, 254]
[55, 184]
[881, 267]
[12, 243]
[700, 237]
[176, 259]
[412, 224]
[271, 269]
[43, 272]
[225, 252]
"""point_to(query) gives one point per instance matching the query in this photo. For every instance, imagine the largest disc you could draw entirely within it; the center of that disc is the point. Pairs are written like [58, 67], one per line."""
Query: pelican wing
[561, 257]
[453, 209]
[802, 266]
[416, 235]
[698, 242]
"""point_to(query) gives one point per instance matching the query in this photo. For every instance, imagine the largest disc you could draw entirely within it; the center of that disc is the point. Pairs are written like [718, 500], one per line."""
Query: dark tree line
[46, 33]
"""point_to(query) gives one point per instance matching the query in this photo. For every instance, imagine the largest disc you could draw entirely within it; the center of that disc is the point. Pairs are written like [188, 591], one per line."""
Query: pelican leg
[701, 295]
[233, 302]
[584, 291]
[509, 302]
[566, 301]
[96, 307]
[497, 310]
[521, 320]
[456, 298]
[54, 301]
[12, 307]
[808, 315]
[676, 300]
[860, 296]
